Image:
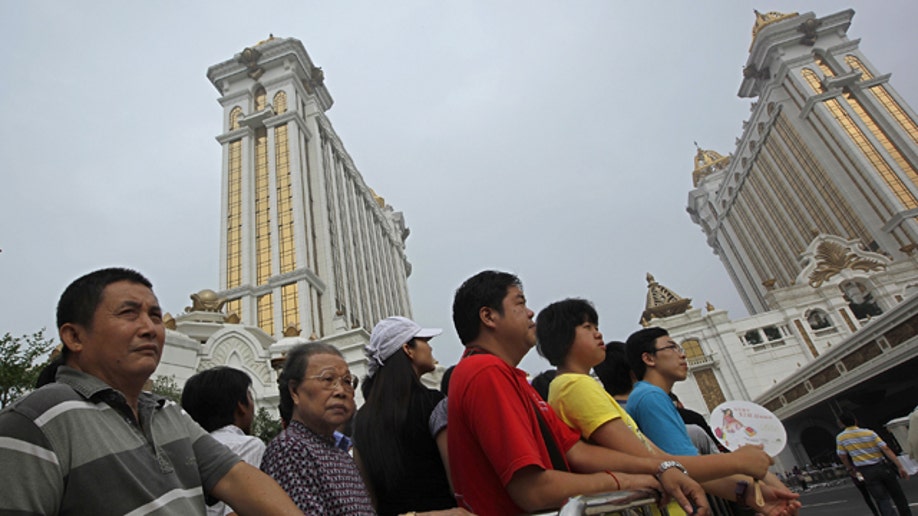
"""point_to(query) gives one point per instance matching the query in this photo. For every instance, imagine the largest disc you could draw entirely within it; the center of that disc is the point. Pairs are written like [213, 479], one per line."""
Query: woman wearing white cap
[400, 460]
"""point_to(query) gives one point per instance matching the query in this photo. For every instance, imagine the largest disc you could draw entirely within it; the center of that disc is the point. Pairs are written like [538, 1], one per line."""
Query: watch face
[669, 464]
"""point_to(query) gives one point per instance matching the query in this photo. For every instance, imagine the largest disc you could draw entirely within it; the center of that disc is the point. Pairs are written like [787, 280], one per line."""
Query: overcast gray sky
[551, 139]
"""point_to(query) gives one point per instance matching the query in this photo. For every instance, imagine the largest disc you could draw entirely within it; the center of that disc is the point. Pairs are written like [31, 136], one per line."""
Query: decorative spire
[706, 163]
[662, 302]
[763, 20]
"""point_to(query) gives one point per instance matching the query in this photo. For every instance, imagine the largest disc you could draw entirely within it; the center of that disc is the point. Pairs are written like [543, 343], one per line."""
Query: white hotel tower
[308, 251]
[306, 246]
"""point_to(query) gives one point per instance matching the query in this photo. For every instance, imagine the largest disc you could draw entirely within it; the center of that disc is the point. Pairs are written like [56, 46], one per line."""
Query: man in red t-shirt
[509, 452]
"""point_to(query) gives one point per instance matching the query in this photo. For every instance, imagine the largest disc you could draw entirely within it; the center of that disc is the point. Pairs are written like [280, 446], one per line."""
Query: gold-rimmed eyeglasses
[330, 381]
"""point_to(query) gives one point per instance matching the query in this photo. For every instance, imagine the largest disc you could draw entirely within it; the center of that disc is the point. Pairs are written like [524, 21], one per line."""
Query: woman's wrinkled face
[324, 399]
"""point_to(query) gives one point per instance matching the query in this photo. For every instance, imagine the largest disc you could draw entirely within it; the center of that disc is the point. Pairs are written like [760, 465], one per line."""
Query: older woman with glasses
[317, 390]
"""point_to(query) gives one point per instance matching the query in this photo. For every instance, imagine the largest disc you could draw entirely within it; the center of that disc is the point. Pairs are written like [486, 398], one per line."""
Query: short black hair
[211, 396]
[638, 343]
[542, 382]
[614, 372]
[294, 370]
[78, 304]
[847, 418]
[556, 327]
[485, 289]
[80, 299]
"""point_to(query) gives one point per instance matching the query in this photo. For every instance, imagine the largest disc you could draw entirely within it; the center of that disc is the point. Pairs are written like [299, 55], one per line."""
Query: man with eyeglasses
[658, 363]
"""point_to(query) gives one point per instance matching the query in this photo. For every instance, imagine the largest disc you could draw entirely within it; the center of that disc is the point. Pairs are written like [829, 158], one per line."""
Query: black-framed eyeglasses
[679, 349]
[330, 381]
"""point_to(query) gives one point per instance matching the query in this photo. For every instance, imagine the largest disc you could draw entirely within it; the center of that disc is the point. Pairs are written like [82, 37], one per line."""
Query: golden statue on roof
[707, 162]
[763, 20]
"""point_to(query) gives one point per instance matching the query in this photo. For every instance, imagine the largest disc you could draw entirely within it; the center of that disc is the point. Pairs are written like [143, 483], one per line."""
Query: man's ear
[73, 336]
[240, 411]
[648, 359]
[488, 316]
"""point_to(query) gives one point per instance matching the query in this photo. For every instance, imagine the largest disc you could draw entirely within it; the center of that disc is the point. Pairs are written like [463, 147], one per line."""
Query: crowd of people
[91, 440]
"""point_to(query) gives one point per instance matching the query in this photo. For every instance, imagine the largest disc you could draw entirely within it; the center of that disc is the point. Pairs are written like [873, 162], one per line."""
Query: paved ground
[843, 499]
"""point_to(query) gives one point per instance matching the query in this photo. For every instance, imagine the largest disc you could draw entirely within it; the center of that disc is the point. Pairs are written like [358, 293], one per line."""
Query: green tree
[167, 387]
[21, 359]
[264, 426]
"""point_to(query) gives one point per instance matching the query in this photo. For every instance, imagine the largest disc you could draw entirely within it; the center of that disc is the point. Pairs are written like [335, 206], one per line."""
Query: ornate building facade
[815, 218]
[308, 251]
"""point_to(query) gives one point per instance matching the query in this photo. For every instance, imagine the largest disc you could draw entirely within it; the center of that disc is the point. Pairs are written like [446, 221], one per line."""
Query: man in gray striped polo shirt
[91, 441]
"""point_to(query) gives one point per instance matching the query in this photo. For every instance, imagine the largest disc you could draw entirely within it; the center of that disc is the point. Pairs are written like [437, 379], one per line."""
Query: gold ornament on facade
[232, 318]
[291, 331]
[249, 58]
[168, 321]
[832, 258]
[262, 42]
[769, 284]
[662, 302]
[763, 20]
[706, 163]
[808, 28]
[708, 306]
[206, 301]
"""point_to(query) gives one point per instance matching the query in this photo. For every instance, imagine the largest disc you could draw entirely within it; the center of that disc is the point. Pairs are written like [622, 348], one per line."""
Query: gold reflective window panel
[710, 388]
[266, 314]
[824, 67]
[893, 107]
[870, 122]
[290, 305]
[262, 209]
[769, 222]
[803, 155]
[860, 139]
[285, 239]
[234, 117]
[755, 242]
[887, 145]
[234, 306]
[740, 226]
[234, 216]
[333, 233]
[797, 223]
[280, 102]
[855, 64]
[692, 349]
[261, 99]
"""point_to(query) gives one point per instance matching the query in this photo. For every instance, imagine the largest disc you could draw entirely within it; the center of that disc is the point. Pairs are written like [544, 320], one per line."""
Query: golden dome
[707, 162]
[763, 20]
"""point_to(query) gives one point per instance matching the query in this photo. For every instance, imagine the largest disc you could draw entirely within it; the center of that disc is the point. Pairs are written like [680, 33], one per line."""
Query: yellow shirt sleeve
[582, 403]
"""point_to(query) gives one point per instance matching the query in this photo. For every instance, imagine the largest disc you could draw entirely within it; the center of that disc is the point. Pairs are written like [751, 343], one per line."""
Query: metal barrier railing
[623, 503]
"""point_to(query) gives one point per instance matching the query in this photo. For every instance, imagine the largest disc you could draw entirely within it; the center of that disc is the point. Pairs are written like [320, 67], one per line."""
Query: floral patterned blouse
[320, 478]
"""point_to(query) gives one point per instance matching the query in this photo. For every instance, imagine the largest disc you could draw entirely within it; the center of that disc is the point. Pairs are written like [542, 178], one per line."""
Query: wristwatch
[669, 464]
[741, 488]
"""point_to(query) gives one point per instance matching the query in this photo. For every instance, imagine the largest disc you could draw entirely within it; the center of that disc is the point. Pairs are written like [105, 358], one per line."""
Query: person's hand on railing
[685, 491]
